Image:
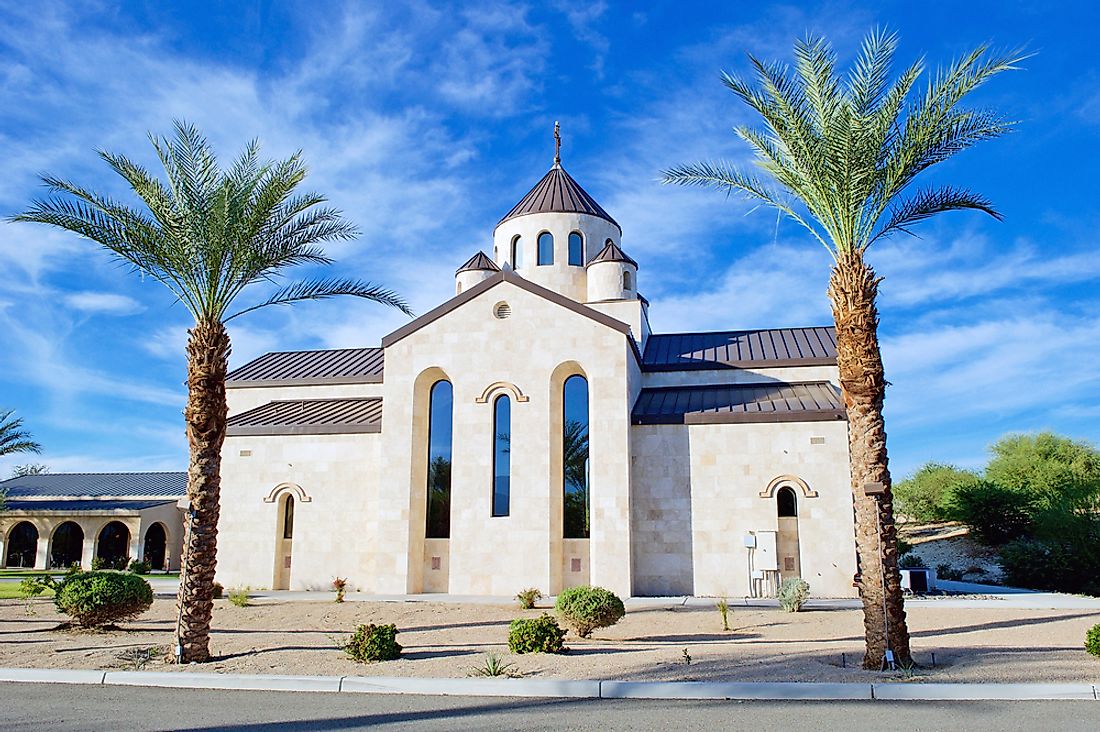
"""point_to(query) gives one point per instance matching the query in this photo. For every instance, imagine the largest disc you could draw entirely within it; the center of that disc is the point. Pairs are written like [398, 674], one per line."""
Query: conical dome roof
[479, 262]
[557, 192]
[612, 253]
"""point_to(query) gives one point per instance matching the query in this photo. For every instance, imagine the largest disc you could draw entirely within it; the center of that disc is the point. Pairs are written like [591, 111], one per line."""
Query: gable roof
[479, 262]
[815, 401]
[96, 485]
[557, 192]
[740, 349]
[612, 253]
[334, 366]
[309, 417]
[506, 275]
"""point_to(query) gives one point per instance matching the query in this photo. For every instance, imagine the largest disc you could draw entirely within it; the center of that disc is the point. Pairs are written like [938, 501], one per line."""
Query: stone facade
[314, 487]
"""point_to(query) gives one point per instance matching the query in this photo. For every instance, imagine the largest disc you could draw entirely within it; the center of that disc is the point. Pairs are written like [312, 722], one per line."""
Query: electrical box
[750, 541]
[766, 555]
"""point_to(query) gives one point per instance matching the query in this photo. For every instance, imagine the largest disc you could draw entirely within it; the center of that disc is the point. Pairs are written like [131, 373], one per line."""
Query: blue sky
[426, 123]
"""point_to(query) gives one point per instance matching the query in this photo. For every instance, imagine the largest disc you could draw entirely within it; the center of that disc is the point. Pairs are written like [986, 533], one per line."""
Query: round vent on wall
[502, 310]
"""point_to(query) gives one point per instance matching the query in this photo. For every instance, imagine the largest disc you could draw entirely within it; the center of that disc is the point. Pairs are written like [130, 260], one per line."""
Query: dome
[478, 263]
[612, 253]
[557, 192]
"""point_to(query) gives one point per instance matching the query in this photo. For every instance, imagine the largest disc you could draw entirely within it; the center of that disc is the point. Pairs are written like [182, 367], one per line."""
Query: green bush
[587, 608]
[1092, 640]
[140, 567]
[219, 590]
[373, 643]
[1059, 566]
[928, 494]
[239, 596]
[536, 635]
[994, 514]
[94, 599]
[793, 594]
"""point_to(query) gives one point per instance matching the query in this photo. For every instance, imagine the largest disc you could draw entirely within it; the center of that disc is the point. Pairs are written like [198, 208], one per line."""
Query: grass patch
[21, 573]
[10, 591]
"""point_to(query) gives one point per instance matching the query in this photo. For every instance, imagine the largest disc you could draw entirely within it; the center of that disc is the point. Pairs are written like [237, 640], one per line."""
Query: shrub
[373, 643]
[928, 494]
[239, 596]
[94, 599]
[141, 567]
[793, 594]
[219, 590]
[945, 571]
[1061, 566]
[904, 547]
[723, 607]
[527, 598]
[1092, 640]
[536, 635]
[909, 561]
[339, 584]
[587, 608]
[994, 514]
[493, 665]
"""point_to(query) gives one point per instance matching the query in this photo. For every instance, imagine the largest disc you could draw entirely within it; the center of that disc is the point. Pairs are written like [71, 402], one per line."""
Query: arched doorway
[22, 545]
[284, 538]
[156, 544]
[67, 545]
[113, 547]
[786, 504]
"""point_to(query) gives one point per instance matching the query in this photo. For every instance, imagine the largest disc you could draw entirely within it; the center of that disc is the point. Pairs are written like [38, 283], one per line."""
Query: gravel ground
[970, 645]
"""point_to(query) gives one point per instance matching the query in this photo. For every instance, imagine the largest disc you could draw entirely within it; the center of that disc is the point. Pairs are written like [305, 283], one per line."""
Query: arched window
[68, 545]
[517, 252]
[113, 546]
[22, 545]
[440, 410]
[546, 248]
[502, 457]
[628, 283]
[156, 545]
[786, 503]
[577, 502]
[288, 517]
[576, 249]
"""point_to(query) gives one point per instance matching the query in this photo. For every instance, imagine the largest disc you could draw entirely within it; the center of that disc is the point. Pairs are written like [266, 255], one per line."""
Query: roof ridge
[743, 330]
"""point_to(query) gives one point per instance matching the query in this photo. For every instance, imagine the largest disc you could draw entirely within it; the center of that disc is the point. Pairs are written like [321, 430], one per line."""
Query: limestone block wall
[524, 356]
[661, 511]
[334, 481]
[631, 312]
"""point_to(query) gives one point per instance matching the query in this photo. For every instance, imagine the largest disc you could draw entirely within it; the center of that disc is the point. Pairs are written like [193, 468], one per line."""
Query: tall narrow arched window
[628, 281]
[575, 463]
[440, 410]
[288, 517]
[786, 504]
[576, 249]
[546, 248]
[517, 252]
[502, 455]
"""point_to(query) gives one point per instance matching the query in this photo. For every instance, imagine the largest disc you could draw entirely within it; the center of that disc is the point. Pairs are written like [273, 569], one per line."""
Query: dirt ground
[445, 640]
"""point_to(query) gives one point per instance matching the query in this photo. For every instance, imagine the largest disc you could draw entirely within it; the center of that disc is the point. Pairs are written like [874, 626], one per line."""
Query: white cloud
[106, 303]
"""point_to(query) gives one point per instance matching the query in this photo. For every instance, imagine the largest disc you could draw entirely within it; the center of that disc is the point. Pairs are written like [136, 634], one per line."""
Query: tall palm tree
[839, 155]
[208, 235]
[13, 438]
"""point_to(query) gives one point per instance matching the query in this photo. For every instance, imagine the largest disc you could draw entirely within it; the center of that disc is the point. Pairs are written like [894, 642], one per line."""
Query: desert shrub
[909, 561]
[536, 635]
[945, 571]
[239, 596]
[340, 584]
[723, 607]
[219, 590]
[1059, 566]
[904, 547]
[373, 643]
[1092, 640]
[995, 515]
[1050, 469]
[141, 567]
[94, 599]
[928, 494]
[793, 594]
[493, 666]
[527, 598]
[587, 608]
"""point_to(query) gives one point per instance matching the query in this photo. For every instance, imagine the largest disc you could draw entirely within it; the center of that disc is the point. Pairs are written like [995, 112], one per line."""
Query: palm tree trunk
[853, 288]
[205, 415]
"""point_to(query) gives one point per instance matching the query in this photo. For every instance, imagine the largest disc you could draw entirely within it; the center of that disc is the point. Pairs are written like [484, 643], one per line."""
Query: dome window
[576, 249]
[546, 248]
[517, 252]
[628, 283]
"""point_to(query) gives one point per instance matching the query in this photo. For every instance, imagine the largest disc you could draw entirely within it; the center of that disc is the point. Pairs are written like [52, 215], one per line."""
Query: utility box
[918, 579]
[766, 558]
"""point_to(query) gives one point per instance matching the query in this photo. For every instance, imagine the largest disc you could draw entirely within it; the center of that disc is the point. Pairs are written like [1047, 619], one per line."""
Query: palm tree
[208, 235]
[13, 438]
[839, 155]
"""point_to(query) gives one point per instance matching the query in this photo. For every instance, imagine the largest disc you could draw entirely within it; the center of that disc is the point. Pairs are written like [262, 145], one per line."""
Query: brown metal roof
[815, 401]
[557, 192]
[612, 253]
[479, 262]
[740, 349]
[286, 368]
[310, 417]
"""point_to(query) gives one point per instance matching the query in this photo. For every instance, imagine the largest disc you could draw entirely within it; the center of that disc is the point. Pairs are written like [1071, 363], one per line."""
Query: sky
[425, 123]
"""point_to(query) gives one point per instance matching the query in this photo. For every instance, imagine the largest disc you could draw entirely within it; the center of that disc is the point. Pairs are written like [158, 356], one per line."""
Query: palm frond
[927, 203]
[13, 438]
[322, 289]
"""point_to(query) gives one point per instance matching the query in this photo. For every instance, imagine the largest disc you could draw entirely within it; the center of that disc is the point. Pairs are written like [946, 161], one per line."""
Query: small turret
[479, 267]
[612, 275]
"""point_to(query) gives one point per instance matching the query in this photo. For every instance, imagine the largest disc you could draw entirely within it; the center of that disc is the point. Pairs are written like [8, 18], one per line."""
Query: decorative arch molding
[499, 386]
[792, 481]
[300, 495]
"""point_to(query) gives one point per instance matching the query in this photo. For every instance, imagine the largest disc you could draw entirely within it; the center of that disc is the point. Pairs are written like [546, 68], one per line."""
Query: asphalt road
[64, 707]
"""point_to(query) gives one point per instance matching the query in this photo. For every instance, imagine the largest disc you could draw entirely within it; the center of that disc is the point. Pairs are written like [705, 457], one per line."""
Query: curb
[585, 689]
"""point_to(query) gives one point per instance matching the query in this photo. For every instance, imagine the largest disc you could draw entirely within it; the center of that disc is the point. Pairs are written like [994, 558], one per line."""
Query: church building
[532, 431]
